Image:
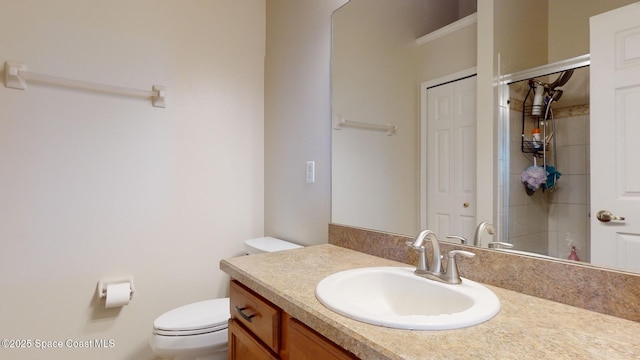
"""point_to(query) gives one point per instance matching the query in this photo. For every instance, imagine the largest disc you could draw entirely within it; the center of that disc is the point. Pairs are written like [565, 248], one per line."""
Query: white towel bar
[16, 76]
[340, 123]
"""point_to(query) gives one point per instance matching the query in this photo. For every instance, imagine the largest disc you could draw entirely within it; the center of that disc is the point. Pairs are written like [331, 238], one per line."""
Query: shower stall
[545, 164]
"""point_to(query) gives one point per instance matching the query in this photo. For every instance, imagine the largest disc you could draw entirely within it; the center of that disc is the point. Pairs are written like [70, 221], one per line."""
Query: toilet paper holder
[102, 286]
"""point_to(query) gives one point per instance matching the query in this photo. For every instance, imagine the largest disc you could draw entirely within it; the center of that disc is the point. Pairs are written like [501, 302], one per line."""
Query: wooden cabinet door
[305, 344]
[243, 346]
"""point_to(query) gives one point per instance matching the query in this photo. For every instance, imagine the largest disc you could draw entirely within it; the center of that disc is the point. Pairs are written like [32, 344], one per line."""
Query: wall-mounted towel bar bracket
[12, 77]
[16, 76]
[339, 123]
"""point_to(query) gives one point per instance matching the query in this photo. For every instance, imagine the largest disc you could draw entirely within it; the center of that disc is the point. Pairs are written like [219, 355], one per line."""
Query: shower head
[555, 95]
[561, 80]
[546, 94]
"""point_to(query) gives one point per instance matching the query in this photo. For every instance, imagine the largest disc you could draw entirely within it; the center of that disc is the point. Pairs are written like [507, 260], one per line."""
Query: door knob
[606, 216]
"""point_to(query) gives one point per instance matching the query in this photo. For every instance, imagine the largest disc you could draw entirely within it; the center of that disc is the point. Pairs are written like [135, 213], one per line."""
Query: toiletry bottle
[573, 255]
[535, 137]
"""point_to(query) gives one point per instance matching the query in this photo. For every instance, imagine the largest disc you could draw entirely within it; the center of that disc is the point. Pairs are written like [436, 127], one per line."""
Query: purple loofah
[534, 176]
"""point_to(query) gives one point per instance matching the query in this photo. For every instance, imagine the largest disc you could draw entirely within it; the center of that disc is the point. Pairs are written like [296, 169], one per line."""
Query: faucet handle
[422, 256]
[463, 240]
[499, 245]
[452, 268]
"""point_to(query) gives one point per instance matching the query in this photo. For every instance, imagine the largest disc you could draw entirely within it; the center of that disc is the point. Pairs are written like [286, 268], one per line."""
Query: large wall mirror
[385, 50]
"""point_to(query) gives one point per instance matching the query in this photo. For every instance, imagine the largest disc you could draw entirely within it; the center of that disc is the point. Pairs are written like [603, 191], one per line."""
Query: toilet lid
[268, 244]
[203, 316]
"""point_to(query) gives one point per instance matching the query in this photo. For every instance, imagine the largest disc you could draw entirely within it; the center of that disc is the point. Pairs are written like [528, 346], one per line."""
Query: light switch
[311, 172]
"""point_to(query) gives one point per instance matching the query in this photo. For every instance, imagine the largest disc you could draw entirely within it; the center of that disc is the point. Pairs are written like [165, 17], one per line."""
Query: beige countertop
[526, 327]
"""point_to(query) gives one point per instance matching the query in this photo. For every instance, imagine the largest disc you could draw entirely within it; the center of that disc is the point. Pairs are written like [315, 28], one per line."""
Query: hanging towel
[552, 177]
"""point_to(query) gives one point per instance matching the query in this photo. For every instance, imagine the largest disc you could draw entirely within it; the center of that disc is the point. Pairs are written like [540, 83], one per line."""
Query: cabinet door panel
[243, 346]
[306, 344]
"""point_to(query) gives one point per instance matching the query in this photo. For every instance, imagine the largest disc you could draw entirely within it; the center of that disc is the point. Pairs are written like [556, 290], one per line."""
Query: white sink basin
[395, 297]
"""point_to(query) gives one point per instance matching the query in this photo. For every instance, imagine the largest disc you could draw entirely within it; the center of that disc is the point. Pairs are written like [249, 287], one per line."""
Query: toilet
[198, 331]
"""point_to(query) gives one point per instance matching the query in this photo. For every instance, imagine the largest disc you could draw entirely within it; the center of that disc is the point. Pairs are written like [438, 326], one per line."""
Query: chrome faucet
[434, 272]
[463, 240]
[480, 230]
[436, 265]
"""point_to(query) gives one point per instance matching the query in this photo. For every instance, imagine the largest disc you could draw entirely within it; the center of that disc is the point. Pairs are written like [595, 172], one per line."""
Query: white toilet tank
[267, 244]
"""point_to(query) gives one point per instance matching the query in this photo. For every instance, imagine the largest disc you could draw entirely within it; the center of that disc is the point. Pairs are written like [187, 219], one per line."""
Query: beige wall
[551, 31]
[97, 186]
[297, 119]
[569, 25]
[449, 54]
[520, 31]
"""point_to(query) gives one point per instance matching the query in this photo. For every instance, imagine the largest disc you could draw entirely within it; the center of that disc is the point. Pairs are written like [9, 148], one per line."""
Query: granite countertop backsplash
[608, 291]
[526, 327]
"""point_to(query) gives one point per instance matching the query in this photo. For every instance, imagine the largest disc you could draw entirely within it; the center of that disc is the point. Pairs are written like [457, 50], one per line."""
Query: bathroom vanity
[258, 330]
[526, 327]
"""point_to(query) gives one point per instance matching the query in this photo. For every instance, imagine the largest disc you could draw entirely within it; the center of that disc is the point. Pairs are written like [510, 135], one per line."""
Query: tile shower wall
[569, 204]
[552, 222]
[528, 215]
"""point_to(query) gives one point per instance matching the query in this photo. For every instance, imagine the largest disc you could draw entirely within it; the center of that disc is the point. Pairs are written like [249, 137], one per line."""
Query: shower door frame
[504, 81]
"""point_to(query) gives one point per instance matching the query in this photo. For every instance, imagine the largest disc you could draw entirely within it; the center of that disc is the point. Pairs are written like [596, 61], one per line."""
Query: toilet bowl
[198, 331]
